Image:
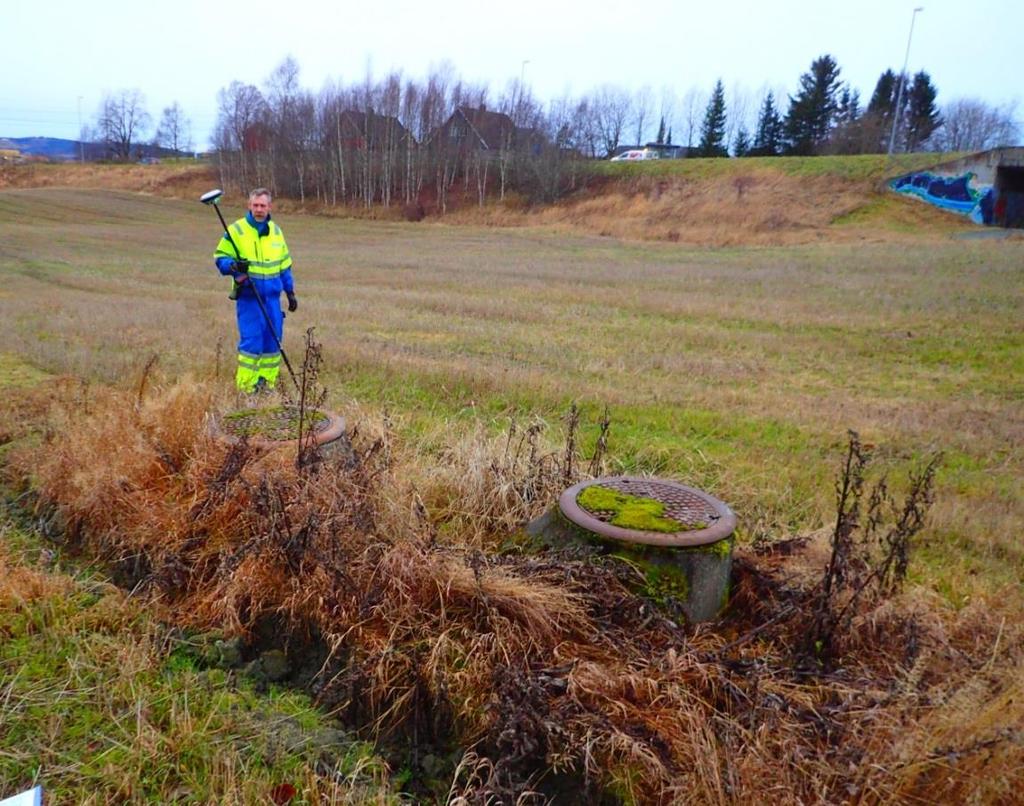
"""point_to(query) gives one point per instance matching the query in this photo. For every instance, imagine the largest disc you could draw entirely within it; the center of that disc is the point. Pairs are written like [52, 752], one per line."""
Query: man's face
[259, 206]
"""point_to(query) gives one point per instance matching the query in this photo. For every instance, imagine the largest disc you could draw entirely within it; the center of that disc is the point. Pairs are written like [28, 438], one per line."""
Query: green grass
[15, 374]
[100, 703]
[738, 369]
[869, 167]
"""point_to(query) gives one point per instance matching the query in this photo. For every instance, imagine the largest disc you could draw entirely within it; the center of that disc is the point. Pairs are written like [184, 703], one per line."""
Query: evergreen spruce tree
[668, 137]
[922, 116]
[878, 118]
[768, 137]
[712, 130]
[741, 145]
[884, 96]
[660, 139]
[812, 110]
[847, 133]
[848, 108]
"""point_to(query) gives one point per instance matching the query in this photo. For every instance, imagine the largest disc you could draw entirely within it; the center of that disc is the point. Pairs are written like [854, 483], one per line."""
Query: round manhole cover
[656, 512]
[274, 426]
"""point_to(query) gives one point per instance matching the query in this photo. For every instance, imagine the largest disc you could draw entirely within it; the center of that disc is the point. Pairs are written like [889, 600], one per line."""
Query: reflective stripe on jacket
[270, 265]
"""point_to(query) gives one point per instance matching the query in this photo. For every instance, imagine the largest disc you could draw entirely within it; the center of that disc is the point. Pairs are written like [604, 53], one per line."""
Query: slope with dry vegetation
[698, 201]
[431, 620]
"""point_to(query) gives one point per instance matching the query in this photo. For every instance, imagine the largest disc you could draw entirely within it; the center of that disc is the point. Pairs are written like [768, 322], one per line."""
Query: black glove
[292, 302]
[241, 269]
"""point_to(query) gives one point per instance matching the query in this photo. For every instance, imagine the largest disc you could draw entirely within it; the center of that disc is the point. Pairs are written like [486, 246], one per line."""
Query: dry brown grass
[757, 207]
[176, 180]
[733, 368]
[535, 661]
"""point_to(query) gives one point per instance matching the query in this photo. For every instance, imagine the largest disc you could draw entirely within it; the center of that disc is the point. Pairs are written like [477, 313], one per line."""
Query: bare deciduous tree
[694, 102]
[175, 130]
[611, 112]
[241, 110]
[122, 121]
[970, 124]
[643, 104]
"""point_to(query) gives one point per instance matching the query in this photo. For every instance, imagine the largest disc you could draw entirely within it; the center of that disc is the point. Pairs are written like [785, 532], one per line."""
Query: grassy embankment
[101, 701]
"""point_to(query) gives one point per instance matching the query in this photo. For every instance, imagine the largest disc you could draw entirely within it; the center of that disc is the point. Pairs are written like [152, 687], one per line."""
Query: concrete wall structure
[987, 187]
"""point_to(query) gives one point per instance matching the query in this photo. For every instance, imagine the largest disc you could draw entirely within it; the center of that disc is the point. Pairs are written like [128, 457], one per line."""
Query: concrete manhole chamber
[679, 537]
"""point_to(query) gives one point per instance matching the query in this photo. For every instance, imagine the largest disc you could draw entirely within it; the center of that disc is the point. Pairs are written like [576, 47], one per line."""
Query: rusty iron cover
[687, 505]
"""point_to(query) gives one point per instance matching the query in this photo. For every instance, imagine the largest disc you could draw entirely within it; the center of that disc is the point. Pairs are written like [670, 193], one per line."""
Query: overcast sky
[63, 56]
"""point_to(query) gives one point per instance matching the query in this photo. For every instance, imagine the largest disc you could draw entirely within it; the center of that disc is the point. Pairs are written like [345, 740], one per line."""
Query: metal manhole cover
[703, 519]
[277, 426]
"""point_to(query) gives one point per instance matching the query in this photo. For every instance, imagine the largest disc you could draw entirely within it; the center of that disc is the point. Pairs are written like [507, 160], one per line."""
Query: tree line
[825, 116]
[399, 140]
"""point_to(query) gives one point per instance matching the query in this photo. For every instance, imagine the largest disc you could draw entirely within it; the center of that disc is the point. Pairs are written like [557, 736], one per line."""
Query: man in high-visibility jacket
[261, 266]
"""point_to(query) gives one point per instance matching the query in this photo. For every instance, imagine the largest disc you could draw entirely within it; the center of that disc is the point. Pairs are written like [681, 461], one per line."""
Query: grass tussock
[399, 563]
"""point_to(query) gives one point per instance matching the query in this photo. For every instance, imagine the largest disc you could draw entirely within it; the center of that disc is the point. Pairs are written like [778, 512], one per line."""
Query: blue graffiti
[956, 193]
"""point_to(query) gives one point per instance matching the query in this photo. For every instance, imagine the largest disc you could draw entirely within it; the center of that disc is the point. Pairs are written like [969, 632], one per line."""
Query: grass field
[104, 704]
[737, 369]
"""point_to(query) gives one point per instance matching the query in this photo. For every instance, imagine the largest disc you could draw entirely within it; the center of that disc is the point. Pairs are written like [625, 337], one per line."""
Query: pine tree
[878, 118]
[847, 134]
[848, 109]
[660, 140]
[668, 137]
[741, 145]
[884, 96]
[768, 137]
[712, 130]
[812, 111]
[922, 113]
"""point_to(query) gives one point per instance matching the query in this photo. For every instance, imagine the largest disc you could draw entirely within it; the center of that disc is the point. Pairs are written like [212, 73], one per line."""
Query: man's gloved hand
[292, 302]
[241, 270]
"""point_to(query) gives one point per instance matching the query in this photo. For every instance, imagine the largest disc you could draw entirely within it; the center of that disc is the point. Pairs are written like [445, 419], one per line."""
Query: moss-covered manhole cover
[275, 425]
[656, 512]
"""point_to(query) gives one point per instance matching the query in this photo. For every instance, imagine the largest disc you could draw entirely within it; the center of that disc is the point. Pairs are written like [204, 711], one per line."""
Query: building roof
[377, 128]
[491, 128]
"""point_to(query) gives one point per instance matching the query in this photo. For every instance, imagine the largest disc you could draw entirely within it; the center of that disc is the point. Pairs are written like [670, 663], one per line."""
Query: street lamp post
[903, 73]
[522, 76]
[81, 145]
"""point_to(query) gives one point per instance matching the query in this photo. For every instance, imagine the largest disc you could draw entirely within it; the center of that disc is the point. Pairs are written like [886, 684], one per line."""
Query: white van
[636, 154]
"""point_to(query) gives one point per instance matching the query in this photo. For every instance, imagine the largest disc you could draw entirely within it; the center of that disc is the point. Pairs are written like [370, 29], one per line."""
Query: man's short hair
[260, 192]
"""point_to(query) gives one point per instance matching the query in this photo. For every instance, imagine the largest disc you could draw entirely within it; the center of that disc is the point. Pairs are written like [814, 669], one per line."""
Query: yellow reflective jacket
[270, 264]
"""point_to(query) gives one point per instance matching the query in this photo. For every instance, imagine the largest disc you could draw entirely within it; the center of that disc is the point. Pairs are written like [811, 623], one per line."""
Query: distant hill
[55, 148]
[52, 147]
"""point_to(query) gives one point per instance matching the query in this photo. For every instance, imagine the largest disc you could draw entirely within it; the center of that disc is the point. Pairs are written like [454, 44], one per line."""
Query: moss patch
[276, 423]
[630, 511]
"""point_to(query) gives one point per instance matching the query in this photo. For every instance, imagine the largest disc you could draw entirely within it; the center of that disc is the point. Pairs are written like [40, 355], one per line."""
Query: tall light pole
[81, 145]
[522, 77]
[903, 73]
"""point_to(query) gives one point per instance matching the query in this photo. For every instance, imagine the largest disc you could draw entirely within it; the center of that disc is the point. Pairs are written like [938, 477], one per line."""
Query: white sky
[64, 55]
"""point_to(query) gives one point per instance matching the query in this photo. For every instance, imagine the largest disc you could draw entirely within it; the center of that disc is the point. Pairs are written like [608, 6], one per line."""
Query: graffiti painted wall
[964, 193]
